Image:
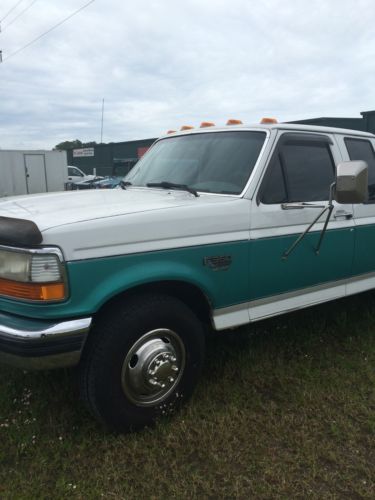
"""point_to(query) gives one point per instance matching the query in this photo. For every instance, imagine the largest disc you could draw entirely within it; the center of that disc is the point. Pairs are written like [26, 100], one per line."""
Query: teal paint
[257, 271]
[271, 275]
[364, 260]
[94, 281]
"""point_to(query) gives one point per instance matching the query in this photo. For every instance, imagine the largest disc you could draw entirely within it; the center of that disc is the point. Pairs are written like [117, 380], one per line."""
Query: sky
[162, 64]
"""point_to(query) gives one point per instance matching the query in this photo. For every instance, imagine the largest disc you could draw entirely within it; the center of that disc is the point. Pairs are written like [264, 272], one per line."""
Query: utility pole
[101, 131]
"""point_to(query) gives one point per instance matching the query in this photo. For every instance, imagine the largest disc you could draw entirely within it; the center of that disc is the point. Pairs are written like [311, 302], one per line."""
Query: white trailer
[28, 172]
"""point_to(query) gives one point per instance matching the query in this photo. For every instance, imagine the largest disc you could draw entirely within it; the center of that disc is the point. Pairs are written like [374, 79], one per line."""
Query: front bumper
[38, 344]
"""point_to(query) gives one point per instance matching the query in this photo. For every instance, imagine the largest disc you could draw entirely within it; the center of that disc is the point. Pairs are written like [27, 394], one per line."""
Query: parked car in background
[75, 174]
[86, 184]
[107, 183]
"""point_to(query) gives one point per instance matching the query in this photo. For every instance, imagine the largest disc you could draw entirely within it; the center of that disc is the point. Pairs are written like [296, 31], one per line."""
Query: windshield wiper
[172, 185]
[123, 184]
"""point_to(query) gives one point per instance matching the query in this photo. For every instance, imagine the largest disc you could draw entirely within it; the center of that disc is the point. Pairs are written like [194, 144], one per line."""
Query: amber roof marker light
[186, 127]
[171, 131]
[233, 121]
[268, 121]
[207, 124]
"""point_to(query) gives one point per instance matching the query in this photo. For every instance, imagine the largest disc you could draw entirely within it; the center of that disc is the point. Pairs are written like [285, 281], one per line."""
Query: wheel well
[189, 294]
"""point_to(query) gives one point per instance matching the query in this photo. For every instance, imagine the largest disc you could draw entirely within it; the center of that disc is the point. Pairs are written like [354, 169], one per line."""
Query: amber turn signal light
[32, 291]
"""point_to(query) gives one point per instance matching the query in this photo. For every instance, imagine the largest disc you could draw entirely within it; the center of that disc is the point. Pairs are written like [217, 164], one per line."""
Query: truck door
[35, 169]
[295, 184]
[362, 148]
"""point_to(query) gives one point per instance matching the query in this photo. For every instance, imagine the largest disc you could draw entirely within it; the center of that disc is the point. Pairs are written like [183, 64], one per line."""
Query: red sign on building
[141, 151]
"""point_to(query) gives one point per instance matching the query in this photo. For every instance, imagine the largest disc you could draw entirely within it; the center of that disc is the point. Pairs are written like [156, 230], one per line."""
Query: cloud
[162, 64]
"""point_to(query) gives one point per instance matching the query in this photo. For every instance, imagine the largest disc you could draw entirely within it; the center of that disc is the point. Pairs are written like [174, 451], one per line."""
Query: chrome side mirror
[351, 182]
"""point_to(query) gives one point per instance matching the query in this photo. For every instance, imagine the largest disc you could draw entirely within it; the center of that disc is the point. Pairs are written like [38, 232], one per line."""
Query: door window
[300, 170]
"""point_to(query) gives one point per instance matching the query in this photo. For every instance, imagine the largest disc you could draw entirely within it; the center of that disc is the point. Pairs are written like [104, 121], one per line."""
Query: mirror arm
[332, 188]
[328, 208]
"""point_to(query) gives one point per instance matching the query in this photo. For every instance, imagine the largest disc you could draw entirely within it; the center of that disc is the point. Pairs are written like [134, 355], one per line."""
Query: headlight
[32, 275]
[14, 265]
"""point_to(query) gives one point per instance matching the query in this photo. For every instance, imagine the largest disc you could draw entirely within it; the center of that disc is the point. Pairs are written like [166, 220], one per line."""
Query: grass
[286, 412]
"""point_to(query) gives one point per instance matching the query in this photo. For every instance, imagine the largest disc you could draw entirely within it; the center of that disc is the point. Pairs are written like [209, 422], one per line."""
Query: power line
[11, 10]
[48, 31]
[19, 15]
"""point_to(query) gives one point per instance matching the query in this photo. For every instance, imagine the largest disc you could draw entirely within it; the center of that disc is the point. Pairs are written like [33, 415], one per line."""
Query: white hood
[100, 223]
[57, 209]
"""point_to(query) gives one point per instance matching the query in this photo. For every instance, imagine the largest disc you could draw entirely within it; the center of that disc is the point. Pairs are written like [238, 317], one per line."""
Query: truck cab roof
[273, 126]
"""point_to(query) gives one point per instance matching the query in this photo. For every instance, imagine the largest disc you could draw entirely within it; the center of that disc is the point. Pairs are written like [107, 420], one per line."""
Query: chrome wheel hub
[162, 370]
[153, 367]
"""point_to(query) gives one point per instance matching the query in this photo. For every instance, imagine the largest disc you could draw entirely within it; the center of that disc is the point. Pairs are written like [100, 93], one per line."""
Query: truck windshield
[212, 162]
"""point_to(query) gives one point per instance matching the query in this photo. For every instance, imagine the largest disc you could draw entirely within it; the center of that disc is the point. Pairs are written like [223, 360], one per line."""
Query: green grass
[286, 412]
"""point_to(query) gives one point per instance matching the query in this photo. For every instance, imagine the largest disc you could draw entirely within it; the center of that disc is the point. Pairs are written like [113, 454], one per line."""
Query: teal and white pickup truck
[214, 228]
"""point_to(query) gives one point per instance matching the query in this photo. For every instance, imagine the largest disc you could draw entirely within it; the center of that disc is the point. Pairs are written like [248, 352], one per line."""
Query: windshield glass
[213, 162]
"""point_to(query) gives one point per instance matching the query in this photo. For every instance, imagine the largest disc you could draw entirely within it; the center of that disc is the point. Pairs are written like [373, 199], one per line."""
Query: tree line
[77, 144]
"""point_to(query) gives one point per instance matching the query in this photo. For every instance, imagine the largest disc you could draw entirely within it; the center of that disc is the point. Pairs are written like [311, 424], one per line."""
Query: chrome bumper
[35, 344]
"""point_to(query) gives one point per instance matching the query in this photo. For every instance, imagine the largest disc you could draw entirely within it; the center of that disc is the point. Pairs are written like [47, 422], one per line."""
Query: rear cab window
[362, 149]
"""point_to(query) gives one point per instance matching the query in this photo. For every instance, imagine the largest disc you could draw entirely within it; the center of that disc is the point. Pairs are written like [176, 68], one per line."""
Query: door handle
[299, 206]
[343, 214]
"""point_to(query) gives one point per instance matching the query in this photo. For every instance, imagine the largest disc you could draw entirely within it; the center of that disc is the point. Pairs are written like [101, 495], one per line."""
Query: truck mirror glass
[351, 182]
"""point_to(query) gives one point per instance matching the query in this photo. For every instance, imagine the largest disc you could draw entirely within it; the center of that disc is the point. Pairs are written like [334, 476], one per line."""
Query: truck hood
[102, 223]
[57, 209]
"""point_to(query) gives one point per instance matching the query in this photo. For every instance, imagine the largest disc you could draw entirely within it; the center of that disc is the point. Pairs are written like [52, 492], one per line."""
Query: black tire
[103, 370]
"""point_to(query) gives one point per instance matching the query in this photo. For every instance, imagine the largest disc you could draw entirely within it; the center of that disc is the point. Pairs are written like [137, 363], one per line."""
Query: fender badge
[218, 262]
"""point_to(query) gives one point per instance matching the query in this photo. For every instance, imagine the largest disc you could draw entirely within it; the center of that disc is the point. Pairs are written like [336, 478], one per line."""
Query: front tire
[143, 359]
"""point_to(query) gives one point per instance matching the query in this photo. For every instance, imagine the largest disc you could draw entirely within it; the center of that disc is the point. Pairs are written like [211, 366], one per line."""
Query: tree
[69, 145]
[77, 144]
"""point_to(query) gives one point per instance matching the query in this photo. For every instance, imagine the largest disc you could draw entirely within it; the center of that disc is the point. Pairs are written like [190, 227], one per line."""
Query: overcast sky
[161, 64]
